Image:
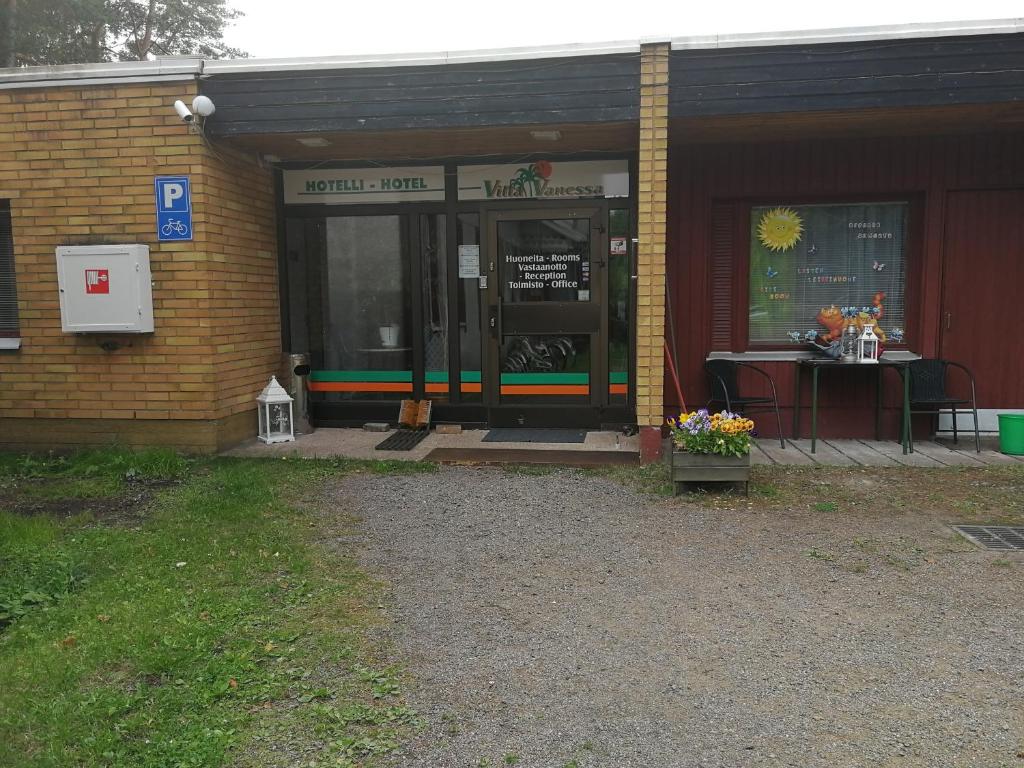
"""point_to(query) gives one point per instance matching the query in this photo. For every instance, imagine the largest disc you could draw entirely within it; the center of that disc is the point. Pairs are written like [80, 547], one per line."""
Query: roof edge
[102, 73]
[852, 34]
[184, 68]
[371, 61]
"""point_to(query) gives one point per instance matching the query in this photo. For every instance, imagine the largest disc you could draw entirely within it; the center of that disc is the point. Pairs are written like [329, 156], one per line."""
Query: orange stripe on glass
[359, 386]
[533, 389]
[616, 389]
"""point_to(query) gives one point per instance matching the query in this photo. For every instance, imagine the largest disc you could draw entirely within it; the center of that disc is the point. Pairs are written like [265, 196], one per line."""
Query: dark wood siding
[880, 73]
[705, 181]
[983, 275]
[569, 90]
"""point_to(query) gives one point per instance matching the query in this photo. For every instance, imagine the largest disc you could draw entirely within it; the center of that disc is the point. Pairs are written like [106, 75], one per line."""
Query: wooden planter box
[693, 469]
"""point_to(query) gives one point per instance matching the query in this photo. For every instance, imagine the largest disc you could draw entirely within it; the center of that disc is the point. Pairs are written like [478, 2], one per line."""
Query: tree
[82, 31]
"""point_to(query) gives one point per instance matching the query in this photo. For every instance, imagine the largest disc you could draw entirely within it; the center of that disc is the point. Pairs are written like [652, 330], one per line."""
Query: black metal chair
[928, 394]
[722, 375]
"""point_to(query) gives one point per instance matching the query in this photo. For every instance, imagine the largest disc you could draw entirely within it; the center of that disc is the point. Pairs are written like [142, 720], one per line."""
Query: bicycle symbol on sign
[173, 226]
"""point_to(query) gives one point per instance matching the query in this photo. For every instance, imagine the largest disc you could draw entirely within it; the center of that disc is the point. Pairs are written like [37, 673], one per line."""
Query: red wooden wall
[926, 168]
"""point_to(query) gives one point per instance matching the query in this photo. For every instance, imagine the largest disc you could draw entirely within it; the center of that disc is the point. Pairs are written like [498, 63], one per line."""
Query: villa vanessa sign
[544, 180]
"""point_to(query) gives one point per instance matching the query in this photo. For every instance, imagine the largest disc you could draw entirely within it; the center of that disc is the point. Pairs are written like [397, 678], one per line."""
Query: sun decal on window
[780, 229]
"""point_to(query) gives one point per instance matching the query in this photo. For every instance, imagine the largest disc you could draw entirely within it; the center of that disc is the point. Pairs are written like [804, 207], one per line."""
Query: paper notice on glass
[469, 261]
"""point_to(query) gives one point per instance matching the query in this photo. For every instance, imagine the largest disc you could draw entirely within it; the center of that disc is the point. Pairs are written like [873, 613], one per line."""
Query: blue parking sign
[173, 208]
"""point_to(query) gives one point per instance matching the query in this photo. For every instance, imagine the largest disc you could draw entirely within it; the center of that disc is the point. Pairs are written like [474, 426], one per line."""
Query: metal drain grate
[403, 440]
[1001, 537]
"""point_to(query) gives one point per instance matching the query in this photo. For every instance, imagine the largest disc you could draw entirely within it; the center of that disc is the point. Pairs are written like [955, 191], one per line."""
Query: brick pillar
[651, 226]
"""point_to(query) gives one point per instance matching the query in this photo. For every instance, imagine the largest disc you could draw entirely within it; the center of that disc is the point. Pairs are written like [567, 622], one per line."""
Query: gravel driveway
[552, 618]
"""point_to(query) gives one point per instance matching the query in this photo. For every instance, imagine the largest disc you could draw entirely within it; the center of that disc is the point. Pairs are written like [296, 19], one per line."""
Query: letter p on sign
[172, 192]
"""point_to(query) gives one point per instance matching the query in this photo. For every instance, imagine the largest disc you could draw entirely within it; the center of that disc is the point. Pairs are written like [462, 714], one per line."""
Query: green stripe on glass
[470, 376]
[436, 377]
[617, 377]
[545, 378]
[404, 377]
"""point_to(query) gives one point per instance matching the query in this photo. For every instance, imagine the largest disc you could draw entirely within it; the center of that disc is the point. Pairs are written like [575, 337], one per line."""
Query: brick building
[517, 235]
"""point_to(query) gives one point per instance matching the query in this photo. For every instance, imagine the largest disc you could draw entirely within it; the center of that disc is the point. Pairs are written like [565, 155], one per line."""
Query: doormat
[488, 456]
[403, 440]
[999, 537]
[522, 435]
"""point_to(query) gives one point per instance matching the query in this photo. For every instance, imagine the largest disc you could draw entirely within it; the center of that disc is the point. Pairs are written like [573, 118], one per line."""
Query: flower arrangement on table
[723, 433]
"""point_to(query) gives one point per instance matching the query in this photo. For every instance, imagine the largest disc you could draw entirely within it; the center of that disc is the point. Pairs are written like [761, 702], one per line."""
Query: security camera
[183, 111]
[203, 106]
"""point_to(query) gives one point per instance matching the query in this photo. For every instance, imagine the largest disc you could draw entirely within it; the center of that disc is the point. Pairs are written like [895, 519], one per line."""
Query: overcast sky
[338, 27]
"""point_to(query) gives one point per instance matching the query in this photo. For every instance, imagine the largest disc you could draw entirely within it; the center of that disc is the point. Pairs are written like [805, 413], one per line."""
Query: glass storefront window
[545, 368]
[816, 268]
[367, 331]
[469, 316]
[545, 259]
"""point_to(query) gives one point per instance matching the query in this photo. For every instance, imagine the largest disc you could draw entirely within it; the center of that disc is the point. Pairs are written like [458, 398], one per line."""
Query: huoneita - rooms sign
[544, 180]
[327, 186]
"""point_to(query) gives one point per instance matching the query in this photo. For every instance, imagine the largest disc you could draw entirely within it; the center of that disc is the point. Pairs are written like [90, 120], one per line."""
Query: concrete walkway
[880, 453]
[359, 444]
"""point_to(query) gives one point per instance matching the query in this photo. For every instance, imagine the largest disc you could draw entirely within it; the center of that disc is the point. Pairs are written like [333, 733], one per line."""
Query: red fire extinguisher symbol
[97, 281]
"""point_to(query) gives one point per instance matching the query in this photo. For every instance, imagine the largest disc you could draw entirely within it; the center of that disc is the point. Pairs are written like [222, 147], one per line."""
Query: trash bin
[1011, 433]
[296, 370]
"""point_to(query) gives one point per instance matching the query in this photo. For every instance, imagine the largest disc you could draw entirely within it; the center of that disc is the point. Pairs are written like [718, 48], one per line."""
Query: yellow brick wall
[652, 185]
[78, 164]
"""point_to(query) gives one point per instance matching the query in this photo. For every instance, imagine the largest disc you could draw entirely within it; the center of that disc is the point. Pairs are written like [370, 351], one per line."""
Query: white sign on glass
[469, 261]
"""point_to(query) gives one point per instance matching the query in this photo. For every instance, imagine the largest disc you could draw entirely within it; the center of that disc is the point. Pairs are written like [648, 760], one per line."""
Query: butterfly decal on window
[772, 272]
[877, 266]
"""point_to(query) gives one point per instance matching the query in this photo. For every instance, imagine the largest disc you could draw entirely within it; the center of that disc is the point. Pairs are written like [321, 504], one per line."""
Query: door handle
[492, 320]
[949, 320]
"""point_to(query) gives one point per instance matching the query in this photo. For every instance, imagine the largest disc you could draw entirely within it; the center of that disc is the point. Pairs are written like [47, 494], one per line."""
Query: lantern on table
[868, 345]
[275, 411]
[850, 338]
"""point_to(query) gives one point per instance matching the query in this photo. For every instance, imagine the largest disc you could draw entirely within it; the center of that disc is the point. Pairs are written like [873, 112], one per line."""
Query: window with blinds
[812, 266]
[8, 294]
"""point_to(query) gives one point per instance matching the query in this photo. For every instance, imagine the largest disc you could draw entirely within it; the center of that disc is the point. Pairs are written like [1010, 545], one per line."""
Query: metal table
[816, 364]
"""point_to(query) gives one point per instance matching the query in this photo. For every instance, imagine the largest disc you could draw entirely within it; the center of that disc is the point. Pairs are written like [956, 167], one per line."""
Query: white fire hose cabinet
[105, 289]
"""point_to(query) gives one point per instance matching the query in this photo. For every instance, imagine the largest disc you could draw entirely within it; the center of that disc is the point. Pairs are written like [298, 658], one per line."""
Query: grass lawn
[158, 611]
[992, 494]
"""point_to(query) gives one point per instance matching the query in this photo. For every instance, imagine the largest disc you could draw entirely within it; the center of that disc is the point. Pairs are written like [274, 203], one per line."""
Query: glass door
[546, 323]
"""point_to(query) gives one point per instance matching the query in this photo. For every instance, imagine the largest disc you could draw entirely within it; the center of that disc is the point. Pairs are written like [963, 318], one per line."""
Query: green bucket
[1011, 433]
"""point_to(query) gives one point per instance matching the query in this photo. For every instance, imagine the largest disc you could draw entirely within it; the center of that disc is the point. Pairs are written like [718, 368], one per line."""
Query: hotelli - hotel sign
[364, 185]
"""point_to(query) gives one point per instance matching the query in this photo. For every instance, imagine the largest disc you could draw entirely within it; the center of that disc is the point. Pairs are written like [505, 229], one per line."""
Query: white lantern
[275, 411]
[868, 345]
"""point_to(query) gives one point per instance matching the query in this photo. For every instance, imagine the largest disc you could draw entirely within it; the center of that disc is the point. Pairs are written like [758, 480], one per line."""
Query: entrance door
[983, 273]
[546, 324]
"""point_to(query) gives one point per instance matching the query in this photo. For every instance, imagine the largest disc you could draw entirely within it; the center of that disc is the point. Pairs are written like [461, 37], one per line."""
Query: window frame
[912, 259]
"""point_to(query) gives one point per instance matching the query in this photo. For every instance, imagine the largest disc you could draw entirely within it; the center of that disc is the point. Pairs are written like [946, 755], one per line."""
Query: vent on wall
[722, 276]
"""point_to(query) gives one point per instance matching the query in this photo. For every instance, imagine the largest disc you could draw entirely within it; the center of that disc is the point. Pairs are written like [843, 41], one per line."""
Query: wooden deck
[872, 453]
